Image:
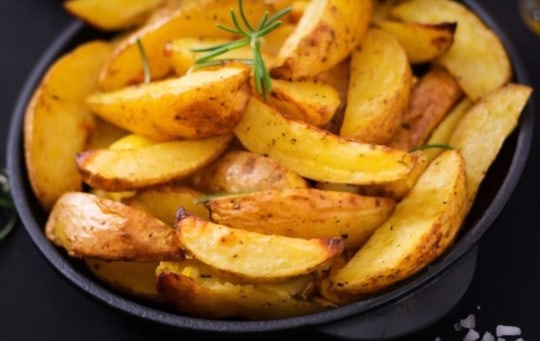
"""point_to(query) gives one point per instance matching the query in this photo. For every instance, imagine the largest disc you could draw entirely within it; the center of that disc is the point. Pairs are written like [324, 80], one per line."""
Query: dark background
[36, 303]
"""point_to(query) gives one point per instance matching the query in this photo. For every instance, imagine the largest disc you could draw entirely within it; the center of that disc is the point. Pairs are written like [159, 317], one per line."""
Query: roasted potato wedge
[136, 279]
[201, 291]
[423, 43]
[89, 226]
[161, 162]
[112, 15]
[198, 105]
[312, 102]
[422, 227]
[57, 123]
[317, 154]
[239, 171]
[104, 134]
[480, 134]
[244, 254]
[380, 83]
[163, 201]
[325, 35]
[192, 18]
[432, 98]
[316, 214]
[477, 58]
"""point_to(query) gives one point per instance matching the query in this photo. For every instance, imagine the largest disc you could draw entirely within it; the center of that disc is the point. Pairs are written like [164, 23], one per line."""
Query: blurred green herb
[250, 36]
[434, 145]
[6, 202]
[144, 58]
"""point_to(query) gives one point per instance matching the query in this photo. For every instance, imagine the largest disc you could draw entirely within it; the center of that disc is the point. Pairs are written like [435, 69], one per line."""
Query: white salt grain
[503, 330]
[488, 337]
[500, 339]
[472, 335]
[469, 322]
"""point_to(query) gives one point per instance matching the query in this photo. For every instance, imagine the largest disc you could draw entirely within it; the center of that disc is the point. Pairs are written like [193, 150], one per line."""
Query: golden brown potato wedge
[192, 18]
[314, 103]
[422, 42]
[161, 162]
[480, 134]
[380, 83]
[198, 105]
[432, 98]
[477, 58]
[325, 35]
[57, 123]
[422, 227]
[112, 15]
[240, 171]
[89, 226]
[104, 134]
[316, 214]
[317, 154]
[137, 279]
[201, 291]
[440, 136]
[245, 254]
[162, 202]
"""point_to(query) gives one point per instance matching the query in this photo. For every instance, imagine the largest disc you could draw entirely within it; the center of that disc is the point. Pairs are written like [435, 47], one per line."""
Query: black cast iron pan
[410, 306]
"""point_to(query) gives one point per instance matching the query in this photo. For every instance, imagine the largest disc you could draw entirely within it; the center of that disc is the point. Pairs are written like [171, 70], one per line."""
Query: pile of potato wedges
[193, 190]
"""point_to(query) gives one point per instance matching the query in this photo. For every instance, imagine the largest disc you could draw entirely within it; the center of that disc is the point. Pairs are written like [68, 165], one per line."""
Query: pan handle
[413, 312]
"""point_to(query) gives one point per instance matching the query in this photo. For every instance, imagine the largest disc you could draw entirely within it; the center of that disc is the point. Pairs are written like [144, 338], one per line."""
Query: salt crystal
[503, 330]
[472, 335]
[488, 337]
[500, 339]
[520, 339]
[469, 322]
[438, 338]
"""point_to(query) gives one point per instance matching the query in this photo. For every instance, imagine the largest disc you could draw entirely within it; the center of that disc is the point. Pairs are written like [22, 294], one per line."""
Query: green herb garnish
[434, 145]
[6, 203]
[250, 36]
[144, 58]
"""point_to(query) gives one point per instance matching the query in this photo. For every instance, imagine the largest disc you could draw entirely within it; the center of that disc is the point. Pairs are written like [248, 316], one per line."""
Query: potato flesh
[245, 254]
[198, 105]
[88, 226]
[411, 238]
[380, 83]
[311, 152]
[57, 123]
[476, 58]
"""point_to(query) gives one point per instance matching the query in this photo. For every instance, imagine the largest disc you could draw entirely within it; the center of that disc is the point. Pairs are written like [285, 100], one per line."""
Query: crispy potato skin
[411, 238]
[57, 123]
[242, 171]
[327, 32]
[316, 214]
[89, 226]
[432, 98]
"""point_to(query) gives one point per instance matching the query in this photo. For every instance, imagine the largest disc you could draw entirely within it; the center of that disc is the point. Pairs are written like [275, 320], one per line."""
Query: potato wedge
[445, 128]
[314, 103]
[89, 226]
[192, 18]
[203, 292]
[380, 83]
[198, 105]
[422, 227]
[422, 42]
[112, 15]
[317, 154]
[432, 98]
[136, 279]
[241, 171]
[57, 123]
[477, 58]
[104, 134]
[161, 162]
[325, 35]
[316, 213]
[245, 254]
[480, 134]
[162, 202]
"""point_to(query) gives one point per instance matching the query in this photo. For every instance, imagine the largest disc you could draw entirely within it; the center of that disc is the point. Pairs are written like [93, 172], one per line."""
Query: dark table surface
[36, 303]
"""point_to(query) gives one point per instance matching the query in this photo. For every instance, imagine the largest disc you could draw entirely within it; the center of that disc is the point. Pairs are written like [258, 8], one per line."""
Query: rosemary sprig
[250, 35]
[7, 203]
[144, 58]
